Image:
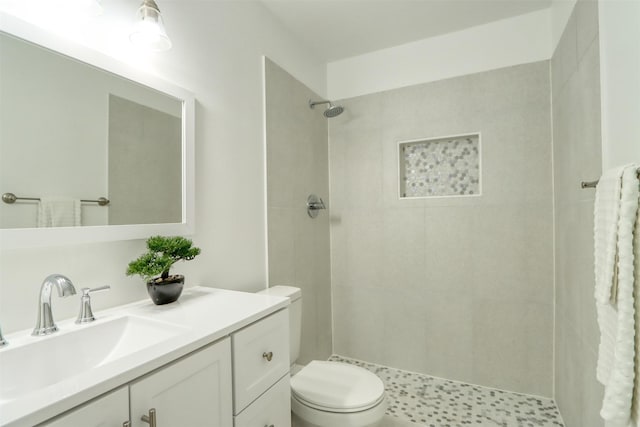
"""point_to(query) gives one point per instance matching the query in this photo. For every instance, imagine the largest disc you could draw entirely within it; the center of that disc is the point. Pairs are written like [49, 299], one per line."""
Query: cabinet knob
[270, 425]
[151, 418]
[268, 356]
[126, 424]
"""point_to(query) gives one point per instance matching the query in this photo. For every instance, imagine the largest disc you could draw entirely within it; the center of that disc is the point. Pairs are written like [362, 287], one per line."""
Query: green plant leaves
[162, 254]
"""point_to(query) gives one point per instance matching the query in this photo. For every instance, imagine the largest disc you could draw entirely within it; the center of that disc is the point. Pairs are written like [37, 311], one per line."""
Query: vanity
[214, 358]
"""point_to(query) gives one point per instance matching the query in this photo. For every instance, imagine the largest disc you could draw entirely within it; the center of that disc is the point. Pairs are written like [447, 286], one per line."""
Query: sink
[43, 361]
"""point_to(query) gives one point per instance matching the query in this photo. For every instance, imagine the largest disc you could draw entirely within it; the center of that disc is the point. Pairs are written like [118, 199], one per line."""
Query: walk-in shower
[332, 111]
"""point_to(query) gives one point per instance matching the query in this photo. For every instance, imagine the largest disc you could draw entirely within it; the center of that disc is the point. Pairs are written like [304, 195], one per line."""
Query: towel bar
[592, 184]
[11, 198]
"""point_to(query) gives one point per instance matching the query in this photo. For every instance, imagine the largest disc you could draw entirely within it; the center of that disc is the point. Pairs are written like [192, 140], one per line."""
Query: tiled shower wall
[458, 287]
[577, 156]
[297, 165]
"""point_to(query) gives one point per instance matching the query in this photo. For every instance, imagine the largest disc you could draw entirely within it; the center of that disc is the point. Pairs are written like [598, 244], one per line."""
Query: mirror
[103, 146]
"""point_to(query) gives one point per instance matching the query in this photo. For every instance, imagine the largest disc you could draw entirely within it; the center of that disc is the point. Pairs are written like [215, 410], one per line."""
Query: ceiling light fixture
[148, 31]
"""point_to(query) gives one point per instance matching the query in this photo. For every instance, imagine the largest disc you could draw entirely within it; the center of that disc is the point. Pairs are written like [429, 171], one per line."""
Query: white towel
[614, 269]
[606, 216]
[59, 212]
[635, 408]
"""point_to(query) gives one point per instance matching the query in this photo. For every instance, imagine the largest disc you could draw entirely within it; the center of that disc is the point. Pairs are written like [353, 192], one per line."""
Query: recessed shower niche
[440, 167]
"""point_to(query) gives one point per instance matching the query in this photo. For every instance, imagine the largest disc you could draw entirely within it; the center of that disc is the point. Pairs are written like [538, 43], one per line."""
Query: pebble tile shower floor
[435, 402]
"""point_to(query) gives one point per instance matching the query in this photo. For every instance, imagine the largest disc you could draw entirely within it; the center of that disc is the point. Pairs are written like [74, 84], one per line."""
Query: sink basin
[43, 361]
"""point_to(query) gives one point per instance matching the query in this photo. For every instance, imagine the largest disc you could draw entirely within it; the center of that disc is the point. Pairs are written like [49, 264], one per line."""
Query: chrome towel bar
[592, 184]
[314, 204]
[11, 198]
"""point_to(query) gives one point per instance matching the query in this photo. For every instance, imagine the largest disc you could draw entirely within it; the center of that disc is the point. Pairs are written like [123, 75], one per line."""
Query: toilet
[329, 394]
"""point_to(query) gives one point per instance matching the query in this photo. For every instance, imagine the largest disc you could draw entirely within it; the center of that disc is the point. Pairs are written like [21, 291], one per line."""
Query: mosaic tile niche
[437, 167]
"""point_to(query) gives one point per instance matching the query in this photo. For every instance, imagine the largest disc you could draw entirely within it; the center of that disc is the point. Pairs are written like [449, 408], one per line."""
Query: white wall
[217, 54]
[620, 81]
[519, 40]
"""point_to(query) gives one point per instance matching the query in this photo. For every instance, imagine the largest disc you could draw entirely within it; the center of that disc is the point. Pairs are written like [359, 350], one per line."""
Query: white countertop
[206, 314]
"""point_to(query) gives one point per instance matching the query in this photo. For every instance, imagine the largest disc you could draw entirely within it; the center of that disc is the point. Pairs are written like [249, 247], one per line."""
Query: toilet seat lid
[337, 387]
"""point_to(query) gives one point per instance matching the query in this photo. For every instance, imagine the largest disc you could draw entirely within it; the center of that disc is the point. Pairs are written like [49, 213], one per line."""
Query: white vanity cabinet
[194, 391]
[226, 365]
[110, 410]
[273, 408]
[261, 373]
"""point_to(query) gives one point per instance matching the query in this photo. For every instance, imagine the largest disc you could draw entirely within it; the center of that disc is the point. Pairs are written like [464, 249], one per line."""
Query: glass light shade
[148, 32]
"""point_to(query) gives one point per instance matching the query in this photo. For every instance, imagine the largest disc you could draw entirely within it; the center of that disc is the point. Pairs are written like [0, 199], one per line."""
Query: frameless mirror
[86, 141]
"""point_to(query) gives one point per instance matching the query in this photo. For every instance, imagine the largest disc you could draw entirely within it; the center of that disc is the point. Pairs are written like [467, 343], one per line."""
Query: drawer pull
[268, 356]
[270, 425]
[151, 418]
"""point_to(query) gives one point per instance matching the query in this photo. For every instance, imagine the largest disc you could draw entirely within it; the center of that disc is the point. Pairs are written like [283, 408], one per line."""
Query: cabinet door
[260, 357]
[194, 391]
[271, 409]
[110, 410]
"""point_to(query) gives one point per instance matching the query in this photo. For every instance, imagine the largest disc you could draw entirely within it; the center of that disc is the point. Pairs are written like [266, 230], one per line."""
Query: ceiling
[336, 29]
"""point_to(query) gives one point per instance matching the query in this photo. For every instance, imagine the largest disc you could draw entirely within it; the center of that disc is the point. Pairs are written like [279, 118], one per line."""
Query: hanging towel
[58, 212]
[614, 270]
[635, 408]
[606, 215]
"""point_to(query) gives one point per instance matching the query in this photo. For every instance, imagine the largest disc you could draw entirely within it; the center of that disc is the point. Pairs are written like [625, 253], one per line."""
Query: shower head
[332, 111]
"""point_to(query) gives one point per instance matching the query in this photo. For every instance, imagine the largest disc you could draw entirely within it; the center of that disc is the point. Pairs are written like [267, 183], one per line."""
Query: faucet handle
[87, 291]
[86, 314]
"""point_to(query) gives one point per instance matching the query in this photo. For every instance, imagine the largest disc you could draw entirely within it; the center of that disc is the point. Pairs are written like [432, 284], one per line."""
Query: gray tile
[365, 247]
[297, 165]
[593, 394]
[577, 156]
[512, 345]
[448, 262]
[404, 248]
[421, 400]
[409, 272]
[360, 326]
[511, 272]
[281, 246]
[587, 24]
[565, 58]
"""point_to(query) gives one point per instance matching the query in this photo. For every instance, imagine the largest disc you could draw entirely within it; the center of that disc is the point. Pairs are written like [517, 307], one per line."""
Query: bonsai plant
[154, 266]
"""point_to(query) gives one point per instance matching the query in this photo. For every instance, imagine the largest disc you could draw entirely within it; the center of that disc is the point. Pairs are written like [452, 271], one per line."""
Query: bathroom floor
[421, 400]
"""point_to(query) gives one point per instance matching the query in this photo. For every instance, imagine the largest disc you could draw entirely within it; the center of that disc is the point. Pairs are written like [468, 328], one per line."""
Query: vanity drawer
[271, 409]
[260, 357]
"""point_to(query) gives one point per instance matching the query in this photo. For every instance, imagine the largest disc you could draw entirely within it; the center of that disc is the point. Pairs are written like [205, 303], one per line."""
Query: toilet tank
[295, 316]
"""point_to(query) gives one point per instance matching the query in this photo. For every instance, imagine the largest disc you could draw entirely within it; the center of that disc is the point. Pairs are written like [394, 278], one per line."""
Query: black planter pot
[165, 291]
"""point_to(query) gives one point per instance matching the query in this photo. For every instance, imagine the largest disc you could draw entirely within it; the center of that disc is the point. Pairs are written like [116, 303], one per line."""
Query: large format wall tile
[426, 284]
[577, 157]
[298, 165]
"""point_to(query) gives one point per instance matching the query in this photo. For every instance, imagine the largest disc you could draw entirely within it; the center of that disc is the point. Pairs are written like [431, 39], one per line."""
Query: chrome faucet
[45, 324]
[86, 314]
